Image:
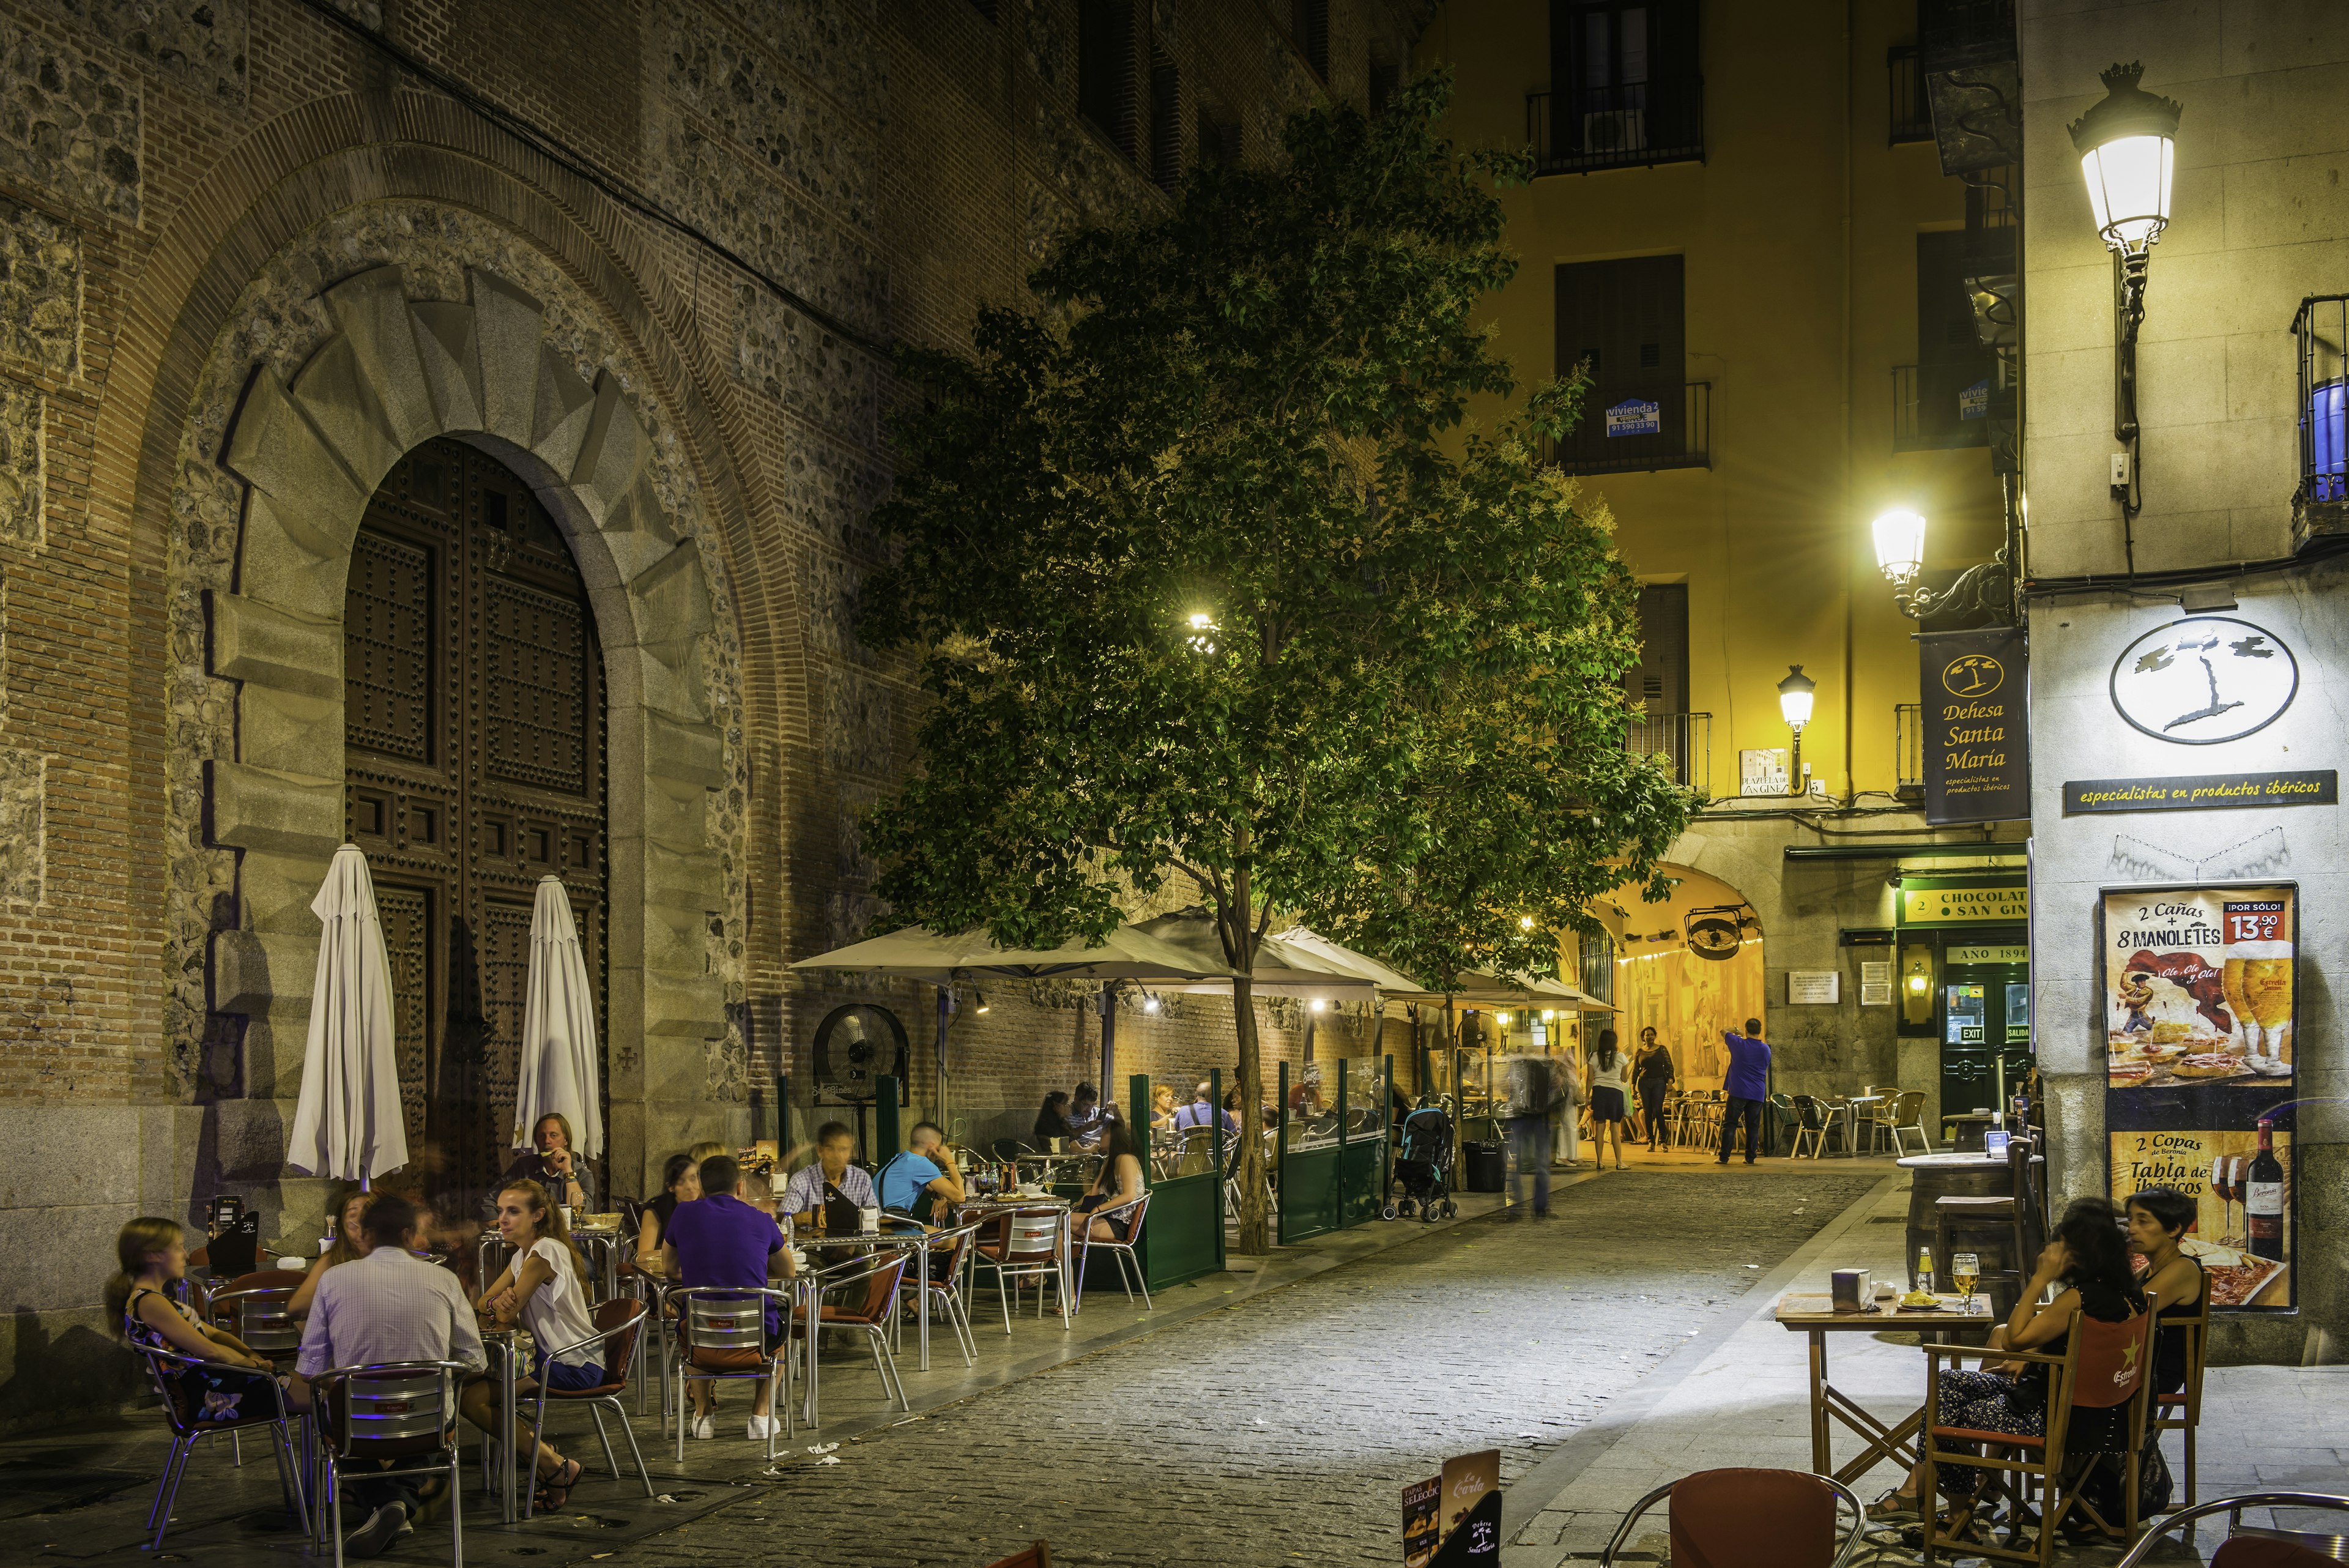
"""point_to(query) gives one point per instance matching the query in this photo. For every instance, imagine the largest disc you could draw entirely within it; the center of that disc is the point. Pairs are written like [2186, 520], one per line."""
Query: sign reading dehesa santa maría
[1976, 757]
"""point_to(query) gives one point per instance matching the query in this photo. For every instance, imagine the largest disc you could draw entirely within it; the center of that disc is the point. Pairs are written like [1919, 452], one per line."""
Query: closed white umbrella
[349, 1124]
[558, 1029]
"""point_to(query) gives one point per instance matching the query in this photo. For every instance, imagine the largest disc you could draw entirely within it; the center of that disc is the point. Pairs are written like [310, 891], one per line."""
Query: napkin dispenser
[1851, 1290]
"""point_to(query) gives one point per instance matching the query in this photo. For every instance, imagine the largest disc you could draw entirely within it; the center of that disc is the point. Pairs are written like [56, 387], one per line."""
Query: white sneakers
[704, 1427]
[762, 1428]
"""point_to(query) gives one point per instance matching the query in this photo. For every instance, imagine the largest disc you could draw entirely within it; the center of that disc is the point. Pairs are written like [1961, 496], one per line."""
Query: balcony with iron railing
[1628, 125]
[1681, 743]
[1639, 433]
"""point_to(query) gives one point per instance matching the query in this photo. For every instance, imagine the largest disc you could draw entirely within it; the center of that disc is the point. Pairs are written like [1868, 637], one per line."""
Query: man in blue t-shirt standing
[923, 1182]
[1748, 1083]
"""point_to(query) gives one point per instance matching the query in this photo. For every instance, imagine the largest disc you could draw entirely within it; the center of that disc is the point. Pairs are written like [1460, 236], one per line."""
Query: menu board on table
[2201, 1007]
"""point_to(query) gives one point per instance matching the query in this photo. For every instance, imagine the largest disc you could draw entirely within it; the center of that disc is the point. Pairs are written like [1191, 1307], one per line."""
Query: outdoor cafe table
[1812, 1312]
[903, 1239]
[1854, 1111]
[1964, 1130]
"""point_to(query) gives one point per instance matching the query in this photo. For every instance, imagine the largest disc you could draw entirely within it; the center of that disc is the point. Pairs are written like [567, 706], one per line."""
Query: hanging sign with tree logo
[1977, 766]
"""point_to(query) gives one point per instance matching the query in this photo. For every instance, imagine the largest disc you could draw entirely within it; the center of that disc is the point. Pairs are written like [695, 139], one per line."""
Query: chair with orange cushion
[2258, 1549]
[869, 1315]
[619, 1330]
[2100, 1383]
[1750, 1519]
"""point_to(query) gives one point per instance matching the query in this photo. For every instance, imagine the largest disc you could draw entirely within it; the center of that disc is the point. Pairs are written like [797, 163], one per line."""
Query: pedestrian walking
[1652, 1070]
[1748, 1083]
[1607, 1112]
[1534, 1097]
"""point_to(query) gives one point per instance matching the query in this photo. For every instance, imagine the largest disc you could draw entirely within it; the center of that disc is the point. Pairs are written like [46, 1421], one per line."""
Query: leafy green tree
[1207, 574]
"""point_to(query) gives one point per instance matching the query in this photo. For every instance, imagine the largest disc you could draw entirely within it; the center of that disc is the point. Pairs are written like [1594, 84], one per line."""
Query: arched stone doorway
[1687, 993]
[474, 765]
[307, 437]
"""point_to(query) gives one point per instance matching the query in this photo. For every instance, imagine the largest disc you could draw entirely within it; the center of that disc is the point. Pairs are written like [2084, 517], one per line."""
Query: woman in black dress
[1651, 1071]
[1053, 1121]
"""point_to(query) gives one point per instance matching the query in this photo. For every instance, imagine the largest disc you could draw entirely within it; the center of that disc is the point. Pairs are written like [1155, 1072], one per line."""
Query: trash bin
[1486, 1168]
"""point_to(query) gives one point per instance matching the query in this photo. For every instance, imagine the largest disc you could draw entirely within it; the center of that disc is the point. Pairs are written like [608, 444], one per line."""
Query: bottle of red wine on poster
[2263, 1198]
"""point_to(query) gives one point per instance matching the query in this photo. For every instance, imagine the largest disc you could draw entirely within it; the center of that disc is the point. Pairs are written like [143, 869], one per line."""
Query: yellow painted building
[1756, 144]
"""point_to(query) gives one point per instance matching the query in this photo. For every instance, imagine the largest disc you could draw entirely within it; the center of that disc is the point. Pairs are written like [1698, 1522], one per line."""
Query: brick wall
[890, 164]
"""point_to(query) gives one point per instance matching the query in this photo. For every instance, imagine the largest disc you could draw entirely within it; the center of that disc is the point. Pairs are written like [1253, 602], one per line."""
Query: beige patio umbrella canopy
[558, 1072]
[348, 1124]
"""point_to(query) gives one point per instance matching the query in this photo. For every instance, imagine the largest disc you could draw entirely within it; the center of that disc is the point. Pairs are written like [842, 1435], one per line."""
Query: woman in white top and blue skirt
[1608, 1110]
[542, 1287]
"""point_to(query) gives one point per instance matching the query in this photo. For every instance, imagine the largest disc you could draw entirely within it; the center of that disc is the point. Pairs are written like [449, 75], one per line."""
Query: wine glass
[1966, 1270]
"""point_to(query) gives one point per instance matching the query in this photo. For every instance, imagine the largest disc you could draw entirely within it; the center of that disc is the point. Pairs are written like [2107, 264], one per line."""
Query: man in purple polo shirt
[719, 1240]
[1748, 1083]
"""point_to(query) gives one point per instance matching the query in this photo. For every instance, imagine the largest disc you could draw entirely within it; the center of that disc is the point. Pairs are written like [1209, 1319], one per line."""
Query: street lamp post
[1901, 556]
[2127, 146]
[1795, 695]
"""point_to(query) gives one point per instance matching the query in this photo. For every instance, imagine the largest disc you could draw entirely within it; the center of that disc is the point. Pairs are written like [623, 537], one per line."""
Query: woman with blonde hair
[540, 1287]
[350, 1210]
[230, 1383]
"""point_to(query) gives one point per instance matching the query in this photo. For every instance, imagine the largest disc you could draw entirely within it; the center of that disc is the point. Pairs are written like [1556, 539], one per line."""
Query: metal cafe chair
[946, 1255]
[1811, 1125]
[394, 1417]
[1028, 1244]
[721, 1334]
[870, 1316]
[620, 1329]
[1129, 1262]
[1751, 1519]
[1009, 1150]
[2251, 1547]
[188, 1429]
[253, 1307]
[1906, 1121]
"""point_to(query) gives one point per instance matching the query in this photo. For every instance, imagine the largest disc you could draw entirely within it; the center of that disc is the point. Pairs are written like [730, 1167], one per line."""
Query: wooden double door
[474, 765]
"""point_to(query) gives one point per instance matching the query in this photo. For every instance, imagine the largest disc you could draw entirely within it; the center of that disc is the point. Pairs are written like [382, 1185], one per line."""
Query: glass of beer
[2230, 975]
[1965, 1272]
[2267, 991]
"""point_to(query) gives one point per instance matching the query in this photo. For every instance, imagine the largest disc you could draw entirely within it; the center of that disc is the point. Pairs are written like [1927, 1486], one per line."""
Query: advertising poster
[1423, 1522]
[2200, 999]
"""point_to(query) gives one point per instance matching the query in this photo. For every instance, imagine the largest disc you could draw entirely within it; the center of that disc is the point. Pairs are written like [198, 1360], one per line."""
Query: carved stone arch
[311, 451]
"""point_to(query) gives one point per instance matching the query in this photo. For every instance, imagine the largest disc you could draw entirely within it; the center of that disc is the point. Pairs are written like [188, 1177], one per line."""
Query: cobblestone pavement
[1280, 1430]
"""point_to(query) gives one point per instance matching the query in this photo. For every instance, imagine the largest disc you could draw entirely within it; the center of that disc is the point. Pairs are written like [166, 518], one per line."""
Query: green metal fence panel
[1362, 1181]
[1183, 1236]
[1311, 1198]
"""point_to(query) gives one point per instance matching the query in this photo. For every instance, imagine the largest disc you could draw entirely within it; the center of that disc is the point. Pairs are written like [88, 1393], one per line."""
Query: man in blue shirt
[1085, 1115]
[1748, 1083]
[923, 1182]
[1201, 1113]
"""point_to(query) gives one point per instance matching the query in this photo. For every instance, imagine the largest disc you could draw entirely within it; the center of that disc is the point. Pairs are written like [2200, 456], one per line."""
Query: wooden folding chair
[2182, 1411]
[2104, 1370]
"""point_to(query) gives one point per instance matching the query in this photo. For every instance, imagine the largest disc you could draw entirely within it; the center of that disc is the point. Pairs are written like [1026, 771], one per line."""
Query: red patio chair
[1750, 1519]
[2256, 1550]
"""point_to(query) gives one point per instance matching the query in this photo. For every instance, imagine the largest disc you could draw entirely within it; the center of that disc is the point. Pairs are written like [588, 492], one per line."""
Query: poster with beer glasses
[2200, 997]
[2199, 985]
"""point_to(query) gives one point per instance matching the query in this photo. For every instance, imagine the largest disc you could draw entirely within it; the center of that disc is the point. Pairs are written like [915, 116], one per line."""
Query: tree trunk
[1255, 1238]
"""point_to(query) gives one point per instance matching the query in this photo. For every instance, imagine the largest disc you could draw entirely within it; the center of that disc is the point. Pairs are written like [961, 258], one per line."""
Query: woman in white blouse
[542, 1287]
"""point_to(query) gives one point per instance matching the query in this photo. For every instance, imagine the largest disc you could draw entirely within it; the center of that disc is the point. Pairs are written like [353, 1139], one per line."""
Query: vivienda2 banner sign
[1977, 759]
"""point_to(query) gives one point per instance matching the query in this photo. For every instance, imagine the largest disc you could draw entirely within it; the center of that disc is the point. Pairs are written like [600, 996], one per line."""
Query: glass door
[1985, 1025]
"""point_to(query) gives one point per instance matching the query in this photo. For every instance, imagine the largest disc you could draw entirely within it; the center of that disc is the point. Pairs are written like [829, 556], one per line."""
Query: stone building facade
[647, 256]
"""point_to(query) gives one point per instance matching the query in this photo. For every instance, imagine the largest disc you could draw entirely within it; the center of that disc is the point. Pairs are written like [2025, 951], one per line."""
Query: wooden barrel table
[1932, 1177]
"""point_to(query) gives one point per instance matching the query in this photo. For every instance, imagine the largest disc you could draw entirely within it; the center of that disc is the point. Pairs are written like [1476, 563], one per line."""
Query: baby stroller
[1422, 1168]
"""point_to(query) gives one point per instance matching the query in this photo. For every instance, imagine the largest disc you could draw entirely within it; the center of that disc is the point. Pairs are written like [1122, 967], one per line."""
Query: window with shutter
[1308, 26]
[1105, 69]
[1625, 319]
[1165, 118]
[1625, 85]
[1954, 372]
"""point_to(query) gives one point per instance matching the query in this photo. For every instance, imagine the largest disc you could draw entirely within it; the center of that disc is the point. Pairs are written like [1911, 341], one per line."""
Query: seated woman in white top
[542, 1288]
